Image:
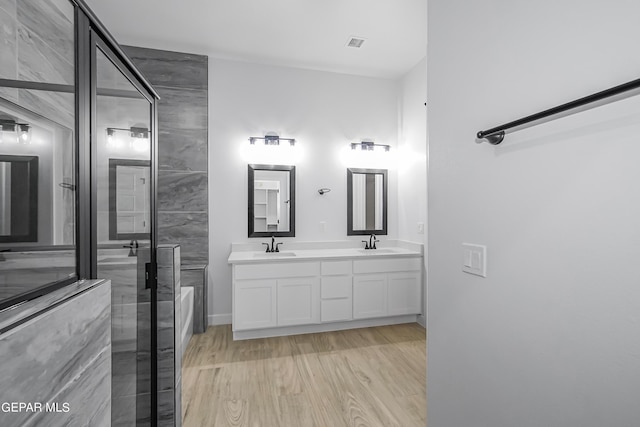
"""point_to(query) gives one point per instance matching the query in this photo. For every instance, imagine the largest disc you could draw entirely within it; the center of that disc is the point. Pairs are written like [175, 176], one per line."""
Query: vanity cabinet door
[298, 301]
[369, 296]
[254, 305]
[403, 294]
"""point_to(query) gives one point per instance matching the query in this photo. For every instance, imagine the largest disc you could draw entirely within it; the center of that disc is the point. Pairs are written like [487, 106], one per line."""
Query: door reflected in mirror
[271, 195]
[129, 208]
[366, 201]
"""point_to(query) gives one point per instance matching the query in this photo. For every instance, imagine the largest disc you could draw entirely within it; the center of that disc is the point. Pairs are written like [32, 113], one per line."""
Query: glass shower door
[122, 153]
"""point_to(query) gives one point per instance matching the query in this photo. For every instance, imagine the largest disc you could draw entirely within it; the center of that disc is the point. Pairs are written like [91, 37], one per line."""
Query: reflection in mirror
[271, 201]
[129, 210]
[123, 159]
[366, 201]
[18, 199]
[37, 199]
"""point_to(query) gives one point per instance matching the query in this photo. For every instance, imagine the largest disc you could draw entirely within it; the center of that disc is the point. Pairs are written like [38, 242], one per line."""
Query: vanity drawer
[388, 265]
[335, 287]
[335, 310]
[276, 270]
[335, 267]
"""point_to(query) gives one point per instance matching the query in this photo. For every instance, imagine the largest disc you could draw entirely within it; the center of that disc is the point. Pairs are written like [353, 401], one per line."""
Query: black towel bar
[496, 134]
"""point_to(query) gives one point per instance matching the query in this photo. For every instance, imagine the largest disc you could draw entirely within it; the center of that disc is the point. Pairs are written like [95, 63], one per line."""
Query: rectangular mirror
[18, 199]
[272, 205]
[129, 208]
[366, 201]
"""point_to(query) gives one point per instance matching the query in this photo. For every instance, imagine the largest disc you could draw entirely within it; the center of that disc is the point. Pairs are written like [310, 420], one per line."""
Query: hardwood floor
[359, 377]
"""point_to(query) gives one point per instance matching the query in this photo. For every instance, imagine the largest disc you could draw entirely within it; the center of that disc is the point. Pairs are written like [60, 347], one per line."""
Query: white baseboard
[225, 319]
[322, 327]
[219, 319]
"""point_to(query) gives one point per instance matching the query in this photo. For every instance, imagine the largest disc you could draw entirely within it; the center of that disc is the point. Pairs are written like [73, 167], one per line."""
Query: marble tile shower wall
[38, 45]
[196, 276]
[182, 81]
[169, 337]
[130, 335]
[60, 356]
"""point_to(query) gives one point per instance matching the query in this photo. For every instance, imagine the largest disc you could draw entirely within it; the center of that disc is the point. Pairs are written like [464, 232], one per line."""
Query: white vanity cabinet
[275, 294]
[386, 287]
[312, 293]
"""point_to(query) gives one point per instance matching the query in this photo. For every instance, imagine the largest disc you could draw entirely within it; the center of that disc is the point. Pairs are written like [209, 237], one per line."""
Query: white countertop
[251, 257]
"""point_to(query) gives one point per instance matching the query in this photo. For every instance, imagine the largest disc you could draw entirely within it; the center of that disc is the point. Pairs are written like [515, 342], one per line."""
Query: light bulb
[110, 136]
[140, 145]
[24, 134]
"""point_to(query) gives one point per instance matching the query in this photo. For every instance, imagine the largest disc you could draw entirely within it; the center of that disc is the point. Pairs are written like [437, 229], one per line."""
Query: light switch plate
[474, 259]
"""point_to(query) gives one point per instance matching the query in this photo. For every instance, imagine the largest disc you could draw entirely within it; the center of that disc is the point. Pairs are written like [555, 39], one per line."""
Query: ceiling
[297, 33]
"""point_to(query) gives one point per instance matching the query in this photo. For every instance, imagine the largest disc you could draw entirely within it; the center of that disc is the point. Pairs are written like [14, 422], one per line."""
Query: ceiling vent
[355, 42]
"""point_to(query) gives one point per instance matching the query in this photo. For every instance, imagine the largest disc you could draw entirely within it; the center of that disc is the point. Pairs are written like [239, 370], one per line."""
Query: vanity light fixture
[134, 132]
[271, 140]
[22, 132]
[369, 146]
[137, 133]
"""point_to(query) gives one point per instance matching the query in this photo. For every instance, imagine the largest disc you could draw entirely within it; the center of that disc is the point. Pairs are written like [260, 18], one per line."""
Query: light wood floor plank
[367, 377]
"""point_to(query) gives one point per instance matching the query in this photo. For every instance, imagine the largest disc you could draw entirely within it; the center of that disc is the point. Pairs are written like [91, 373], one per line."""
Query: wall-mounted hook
[323, 190]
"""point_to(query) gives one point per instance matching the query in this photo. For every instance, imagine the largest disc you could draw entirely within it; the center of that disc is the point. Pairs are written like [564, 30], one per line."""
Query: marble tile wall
[196, 277]
[169, 337]
[130, 335]
[62, 355]
[182, 81]
[38, 45]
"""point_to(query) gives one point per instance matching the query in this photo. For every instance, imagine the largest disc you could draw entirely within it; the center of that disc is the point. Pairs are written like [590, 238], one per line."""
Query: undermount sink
[274, 254]
[377, 251]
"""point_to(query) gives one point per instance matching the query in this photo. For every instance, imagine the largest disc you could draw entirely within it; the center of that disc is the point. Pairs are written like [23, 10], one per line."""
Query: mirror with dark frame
[366, 201]
[18, 199]
[129, 210]
[271, 201]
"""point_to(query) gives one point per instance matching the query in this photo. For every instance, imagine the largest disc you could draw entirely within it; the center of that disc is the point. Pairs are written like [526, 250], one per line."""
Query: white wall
[324, 112]
[552, 336]
[412, 174]
[412, 169]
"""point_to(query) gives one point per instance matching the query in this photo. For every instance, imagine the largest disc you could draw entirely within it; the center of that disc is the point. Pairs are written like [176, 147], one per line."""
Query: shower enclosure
[77, 180]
